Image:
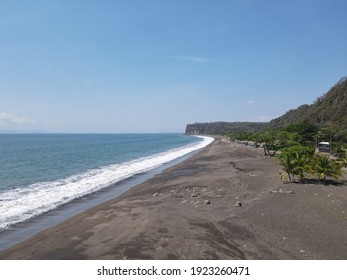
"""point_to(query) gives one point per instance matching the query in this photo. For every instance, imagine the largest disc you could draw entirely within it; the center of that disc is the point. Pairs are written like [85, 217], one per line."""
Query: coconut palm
[325, 167]
[288, 168]
[296, 161]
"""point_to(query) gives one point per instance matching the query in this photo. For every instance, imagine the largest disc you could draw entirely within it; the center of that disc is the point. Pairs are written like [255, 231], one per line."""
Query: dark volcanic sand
[190, 212]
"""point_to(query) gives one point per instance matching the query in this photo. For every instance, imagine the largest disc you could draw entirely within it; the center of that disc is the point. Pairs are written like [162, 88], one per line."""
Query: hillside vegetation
[328, 111]
[325, 119]
[221, 128]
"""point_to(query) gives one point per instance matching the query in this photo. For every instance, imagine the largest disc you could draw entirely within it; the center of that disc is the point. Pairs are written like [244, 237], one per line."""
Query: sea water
[41, 172]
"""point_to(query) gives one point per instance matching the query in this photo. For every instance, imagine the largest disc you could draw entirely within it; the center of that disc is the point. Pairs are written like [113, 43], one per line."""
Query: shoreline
[21, 231]
[217, 204]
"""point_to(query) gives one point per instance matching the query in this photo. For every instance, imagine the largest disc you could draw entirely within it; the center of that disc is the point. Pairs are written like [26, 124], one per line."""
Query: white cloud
[250, 101]
[11, 119]
[195, 59]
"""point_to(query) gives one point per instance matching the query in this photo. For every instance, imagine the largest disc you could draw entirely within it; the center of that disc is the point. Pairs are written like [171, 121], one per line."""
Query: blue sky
[156, 65]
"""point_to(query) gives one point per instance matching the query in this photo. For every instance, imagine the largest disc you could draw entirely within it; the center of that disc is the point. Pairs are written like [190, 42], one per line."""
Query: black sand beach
[226, 202]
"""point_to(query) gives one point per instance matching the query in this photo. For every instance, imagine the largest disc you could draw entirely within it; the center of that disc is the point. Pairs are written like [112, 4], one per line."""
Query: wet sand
[219, 204]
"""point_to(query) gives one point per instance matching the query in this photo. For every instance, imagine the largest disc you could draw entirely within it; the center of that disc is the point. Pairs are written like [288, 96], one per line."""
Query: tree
[295, 161]
[288, 164]
[268, 138]
[324, 167]
[305, 130]
[287, 139]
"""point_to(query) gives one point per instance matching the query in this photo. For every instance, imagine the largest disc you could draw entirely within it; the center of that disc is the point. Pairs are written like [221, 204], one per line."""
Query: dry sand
[217, 204]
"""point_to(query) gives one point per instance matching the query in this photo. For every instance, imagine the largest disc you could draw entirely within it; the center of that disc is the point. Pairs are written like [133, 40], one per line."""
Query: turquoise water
[40, 172]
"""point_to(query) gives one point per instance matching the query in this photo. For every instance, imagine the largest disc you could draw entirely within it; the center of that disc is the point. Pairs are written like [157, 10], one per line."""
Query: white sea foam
[20, 204]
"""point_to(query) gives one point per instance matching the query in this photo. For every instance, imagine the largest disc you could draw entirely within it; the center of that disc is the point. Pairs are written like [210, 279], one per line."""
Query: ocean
[42, 172]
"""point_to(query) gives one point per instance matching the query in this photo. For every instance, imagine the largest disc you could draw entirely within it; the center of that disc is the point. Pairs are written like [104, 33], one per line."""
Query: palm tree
[296, 161]
[324, 167]
[288, 168]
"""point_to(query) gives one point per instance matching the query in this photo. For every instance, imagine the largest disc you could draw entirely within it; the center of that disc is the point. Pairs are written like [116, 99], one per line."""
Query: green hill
[328, 111]
[220, 128]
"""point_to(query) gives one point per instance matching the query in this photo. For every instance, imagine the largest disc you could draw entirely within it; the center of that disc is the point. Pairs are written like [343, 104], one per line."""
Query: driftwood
[280, 191]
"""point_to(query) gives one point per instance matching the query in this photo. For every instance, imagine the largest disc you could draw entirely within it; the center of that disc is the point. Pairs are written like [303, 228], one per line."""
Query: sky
[116, 66]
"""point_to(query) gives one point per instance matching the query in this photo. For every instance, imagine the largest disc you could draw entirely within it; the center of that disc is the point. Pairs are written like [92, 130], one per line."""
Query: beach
[225, 202]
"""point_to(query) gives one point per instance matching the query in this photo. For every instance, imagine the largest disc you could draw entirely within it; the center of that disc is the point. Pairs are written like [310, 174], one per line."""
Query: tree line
[294, 147]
